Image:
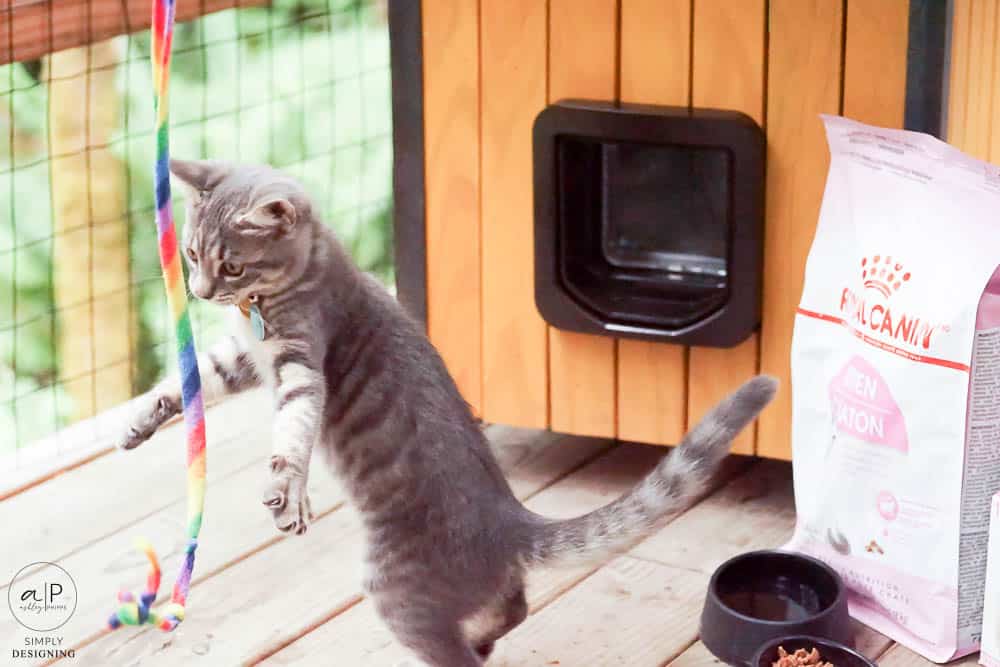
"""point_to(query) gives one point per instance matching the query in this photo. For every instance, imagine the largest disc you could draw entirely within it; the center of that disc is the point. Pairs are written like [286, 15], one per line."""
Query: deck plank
[764, 500]
[900, 656]
[696, 655]
[709, 533]
[235, 525]
[671, 588]
[869, 642]
[243, 582]
[358, 638]
[688, 550]
[593, 486]
[114, 491]
[261, 602]
[531, 460]
[233, 620]
[638, 613]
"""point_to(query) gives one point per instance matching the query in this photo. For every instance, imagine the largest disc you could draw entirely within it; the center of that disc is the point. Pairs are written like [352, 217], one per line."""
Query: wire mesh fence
[300, 84]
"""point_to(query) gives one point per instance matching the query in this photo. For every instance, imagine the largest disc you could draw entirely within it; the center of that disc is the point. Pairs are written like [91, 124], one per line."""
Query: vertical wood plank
[90, 245]
[979, 94]
[451, 134]
[655, 69]
[582, 64]
[994, 146]
[875, 61]
[958, 76]
[515, 353]
[727, 73]
[804, 56]
[987, 80]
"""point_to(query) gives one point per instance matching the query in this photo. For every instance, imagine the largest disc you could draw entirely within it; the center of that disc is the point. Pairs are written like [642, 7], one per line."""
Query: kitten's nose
[203, 289]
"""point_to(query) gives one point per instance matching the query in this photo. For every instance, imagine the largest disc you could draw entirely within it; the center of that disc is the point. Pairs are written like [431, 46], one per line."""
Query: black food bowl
[763, 595]
[829, 651]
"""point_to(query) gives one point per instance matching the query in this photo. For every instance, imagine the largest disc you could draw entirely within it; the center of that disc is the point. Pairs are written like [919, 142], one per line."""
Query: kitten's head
[246, 229]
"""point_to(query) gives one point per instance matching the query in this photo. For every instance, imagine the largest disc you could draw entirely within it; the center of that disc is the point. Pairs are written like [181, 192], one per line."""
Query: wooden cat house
[470, 80]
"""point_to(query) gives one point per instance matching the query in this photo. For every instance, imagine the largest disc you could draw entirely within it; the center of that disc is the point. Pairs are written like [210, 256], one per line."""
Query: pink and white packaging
[990, 655]
[896, 383]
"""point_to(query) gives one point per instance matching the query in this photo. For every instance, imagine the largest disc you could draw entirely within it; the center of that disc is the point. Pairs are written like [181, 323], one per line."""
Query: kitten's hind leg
[488, 625]
[434, 639]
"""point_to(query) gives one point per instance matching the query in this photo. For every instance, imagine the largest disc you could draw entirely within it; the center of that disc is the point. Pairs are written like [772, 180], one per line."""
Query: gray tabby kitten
[448, 543]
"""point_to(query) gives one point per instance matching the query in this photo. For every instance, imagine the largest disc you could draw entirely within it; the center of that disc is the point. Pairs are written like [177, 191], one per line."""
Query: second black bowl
[762, 595]
[829, 651]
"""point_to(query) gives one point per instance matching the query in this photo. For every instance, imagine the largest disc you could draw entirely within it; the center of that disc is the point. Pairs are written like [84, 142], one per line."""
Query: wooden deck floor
[261, 598]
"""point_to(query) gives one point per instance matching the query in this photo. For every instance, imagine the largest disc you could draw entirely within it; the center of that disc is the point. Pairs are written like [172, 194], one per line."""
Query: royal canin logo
[870, 310]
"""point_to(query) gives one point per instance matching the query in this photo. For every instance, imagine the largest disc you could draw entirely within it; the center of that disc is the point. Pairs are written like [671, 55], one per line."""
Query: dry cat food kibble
[800, 657]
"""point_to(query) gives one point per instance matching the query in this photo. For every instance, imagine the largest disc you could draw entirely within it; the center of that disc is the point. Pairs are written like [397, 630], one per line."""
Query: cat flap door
[649, 221]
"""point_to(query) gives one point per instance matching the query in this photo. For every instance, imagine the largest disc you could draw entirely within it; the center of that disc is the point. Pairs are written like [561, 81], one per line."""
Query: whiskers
[218, 299]
[191, 296]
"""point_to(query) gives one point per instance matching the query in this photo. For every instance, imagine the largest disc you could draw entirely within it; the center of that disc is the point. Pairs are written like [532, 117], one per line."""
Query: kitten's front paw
[153, 411]
[287, 498]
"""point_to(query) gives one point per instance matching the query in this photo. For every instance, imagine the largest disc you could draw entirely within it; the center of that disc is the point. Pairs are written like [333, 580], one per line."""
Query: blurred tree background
[300, 84]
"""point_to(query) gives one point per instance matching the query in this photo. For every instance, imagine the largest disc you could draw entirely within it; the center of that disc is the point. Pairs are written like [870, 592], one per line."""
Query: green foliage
[301, 84]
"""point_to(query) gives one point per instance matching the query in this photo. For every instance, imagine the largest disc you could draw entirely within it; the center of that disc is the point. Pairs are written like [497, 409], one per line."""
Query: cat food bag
[991, 607]
[896, 383]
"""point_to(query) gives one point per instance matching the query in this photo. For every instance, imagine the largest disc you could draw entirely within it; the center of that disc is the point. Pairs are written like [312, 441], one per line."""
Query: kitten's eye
[232, 270]
[192, 255]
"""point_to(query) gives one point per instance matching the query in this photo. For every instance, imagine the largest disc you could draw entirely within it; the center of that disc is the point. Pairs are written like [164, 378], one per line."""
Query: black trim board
[409, 222]
[927, 66]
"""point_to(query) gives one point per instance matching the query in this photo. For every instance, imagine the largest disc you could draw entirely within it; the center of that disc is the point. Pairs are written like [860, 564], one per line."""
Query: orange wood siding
[982, 37]
[728, 73]
[582, 63]
[958, 84]
[803, 80]
[875, 61]
[974, 95]
[515, 349]
[492, 65]
[451, 139]
[654, 69]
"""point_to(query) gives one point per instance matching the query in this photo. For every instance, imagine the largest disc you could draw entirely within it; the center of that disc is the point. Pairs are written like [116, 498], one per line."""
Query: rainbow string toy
[131, 611]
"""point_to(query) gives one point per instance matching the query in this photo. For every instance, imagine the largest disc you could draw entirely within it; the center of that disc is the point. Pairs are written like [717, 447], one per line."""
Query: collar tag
[251, 311]
[256, 322]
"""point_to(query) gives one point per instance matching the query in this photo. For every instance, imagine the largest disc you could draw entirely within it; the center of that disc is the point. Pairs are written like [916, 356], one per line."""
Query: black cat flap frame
[649, 221]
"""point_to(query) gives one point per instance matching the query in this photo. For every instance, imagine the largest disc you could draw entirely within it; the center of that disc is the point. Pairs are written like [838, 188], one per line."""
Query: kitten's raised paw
[287, 498]
[151, 414]
[133, 438]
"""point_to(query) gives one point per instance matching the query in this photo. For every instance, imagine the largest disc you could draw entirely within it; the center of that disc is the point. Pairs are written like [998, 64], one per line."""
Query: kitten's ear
[198, 176]
[270, 217]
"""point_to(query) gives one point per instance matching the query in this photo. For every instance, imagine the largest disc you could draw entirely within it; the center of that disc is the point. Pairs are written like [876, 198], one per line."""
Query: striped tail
[675, 482]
